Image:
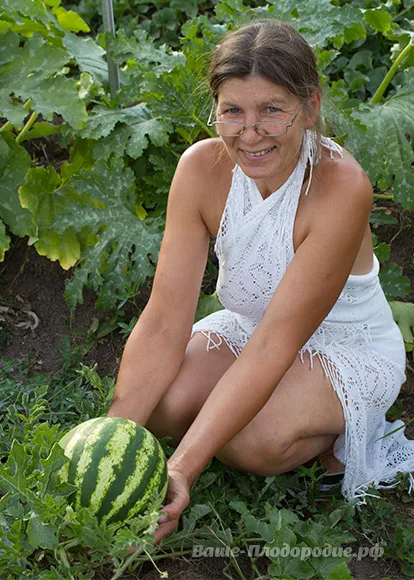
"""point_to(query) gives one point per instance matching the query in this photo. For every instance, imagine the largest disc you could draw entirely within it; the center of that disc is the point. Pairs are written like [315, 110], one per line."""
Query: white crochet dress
[358, 344]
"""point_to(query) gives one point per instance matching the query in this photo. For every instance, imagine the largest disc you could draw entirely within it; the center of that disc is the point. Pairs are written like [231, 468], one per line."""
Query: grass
[261, 527]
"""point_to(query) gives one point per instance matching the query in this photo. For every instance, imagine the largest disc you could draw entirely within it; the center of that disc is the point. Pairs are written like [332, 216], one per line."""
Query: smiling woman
[264, 140]
[305, 358]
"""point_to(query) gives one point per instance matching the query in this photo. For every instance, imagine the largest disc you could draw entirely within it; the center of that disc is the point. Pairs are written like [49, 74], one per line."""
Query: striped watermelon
[118, 467]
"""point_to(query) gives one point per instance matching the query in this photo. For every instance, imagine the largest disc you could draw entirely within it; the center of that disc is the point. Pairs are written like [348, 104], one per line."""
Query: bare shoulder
[207, 167]
[205, 158]
[340, 182]
[342, 178]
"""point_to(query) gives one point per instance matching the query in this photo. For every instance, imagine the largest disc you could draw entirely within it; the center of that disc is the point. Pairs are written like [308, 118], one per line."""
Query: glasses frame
[257, 126]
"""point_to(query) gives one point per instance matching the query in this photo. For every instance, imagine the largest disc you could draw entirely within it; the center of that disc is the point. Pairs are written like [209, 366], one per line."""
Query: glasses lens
[228, 129]
[271, 128]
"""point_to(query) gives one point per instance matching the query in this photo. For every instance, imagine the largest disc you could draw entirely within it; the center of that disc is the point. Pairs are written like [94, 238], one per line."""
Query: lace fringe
[312, 151]
[323, 338]
[211, 345]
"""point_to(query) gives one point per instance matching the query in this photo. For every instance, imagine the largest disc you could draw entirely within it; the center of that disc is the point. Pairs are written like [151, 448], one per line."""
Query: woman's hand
[178, 498]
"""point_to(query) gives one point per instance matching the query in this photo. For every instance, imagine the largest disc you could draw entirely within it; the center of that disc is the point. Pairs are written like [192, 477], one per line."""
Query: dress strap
[311, 151]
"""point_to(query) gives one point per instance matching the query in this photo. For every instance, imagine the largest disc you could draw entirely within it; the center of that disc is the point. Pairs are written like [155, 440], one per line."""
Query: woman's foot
[329, 462]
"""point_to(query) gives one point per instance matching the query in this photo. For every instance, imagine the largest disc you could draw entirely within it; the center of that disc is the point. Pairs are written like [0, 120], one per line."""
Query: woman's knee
[172, 416]
[255, 455]
[197, 377]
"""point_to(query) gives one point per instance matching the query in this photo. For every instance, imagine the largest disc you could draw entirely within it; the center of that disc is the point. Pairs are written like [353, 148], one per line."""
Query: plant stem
[383, 196]
[64, 561]
[203, 125]
[390, 74]
[126, 564]
[32, 119]
[7, 127]
[109, 27]
[402, 12]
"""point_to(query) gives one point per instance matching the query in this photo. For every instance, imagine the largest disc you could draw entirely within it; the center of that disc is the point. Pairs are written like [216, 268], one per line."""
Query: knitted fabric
[359, 345]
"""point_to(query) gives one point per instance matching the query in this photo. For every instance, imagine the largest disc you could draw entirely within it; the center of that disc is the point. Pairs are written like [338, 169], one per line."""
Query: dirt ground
[31, 282]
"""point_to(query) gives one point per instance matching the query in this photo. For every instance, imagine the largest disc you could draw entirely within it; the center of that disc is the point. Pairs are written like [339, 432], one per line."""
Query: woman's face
[266, 159]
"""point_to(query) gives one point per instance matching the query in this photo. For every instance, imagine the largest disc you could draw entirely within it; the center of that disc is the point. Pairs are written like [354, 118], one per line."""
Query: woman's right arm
[155, 349]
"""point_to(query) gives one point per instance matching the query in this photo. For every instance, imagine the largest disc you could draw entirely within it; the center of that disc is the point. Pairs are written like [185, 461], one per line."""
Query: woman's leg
[301, 420]
[197, 377]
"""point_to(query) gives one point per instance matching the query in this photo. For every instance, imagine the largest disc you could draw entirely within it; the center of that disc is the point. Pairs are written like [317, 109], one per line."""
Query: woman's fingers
[178, 498]
[165, 529]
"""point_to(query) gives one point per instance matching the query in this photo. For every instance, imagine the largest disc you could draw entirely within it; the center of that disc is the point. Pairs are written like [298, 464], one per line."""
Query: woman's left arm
[308, 291]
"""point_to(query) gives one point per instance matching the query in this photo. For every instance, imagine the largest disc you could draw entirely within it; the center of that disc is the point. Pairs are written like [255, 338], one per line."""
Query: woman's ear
[313, 109]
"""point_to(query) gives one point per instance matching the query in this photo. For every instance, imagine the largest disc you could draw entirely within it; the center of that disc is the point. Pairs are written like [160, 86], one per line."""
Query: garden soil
[31, 283]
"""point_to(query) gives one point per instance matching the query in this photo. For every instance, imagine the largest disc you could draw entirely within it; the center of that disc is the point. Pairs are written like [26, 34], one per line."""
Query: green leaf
[14, 164]
[29, 72]
[403, 313]
[41, 535]
[388, 153]
[38, 195]
[126, 246]
[382, 251]
[139, 127]
[14, 111]
[89, 56]
[36, 56]
[378, 19]
[322, 23]
[339, 572]
[4, 241]
[382, 217]
[71, 21]
[394, 284]
[33, 9]
[41, 129]
[207, 304]
[139, 53]
[16, 475]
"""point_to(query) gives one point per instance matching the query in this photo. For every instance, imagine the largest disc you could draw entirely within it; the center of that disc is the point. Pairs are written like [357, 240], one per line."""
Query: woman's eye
[230, 111]
[272, 109]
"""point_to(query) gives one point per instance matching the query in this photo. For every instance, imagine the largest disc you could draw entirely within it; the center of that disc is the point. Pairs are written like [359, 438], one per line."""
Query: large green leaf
[33, 9]
[387, 153]
[38, 195]
[14, 164]
[88, 55]
[126, 248]
[33, 72]
[138, 128]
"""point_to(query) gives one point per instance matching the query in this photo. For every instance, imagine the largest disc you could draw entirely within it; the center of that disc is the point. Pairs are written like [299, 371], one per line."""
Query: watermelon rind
[118, 468]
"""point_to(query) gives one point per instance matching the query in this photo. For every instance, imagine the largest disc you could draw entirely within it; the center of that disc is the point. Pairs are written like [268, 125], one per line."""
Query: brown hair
[269, 49]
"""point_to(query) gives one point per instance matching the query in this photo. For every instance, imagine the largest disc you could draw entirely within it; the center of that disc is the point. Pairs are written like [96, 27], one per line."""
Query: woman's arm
[156, 347]
[306, 294]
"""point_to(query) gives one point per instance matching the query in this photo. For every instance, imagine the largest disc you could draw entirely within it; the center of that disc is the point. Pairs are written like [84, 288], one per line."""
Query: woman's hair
[269, 49]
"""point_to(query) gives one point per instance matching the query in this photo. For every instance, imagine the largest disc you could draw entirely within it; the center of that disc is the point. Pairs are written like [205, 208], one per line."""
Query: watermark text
[375, 552]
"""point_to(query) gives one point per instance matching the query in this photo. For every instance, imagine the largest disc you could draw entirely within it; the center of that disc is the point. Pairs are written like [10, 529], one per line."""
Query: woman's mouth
[259, 153]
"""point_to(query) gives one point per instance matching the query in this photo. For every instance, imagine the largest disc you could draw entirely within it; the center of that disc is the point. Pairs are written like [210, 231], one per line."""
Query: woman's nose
[250, 133]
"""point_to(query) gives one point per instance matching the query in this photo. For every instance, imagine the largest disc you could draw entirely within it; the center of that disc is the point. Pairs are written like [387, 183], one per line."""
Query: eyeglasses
[264, 128]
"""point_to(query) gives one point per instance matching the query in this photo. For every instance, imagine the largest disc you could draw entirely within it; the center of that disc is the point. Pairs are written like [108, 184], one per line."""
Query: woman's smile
[259, 154]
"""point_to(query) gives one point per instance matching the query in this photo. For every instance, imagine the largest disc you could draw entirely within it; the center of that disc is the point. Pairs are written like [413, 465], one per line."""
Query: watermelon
[117, 466]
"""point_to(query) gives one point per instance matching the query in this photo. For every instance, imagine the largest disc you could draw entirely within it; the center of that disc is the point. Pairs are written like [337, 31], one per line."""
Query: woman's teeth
[259, 153]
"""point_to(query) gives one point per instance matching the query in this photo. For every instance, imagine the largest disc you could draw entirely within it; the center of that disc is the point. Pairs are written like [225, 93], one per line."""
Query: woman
[306, 358]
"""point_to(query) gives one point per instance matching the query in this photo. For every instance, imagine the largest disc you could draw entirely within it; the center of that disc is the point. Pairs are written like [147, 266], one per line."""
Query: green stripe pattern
[117, 466]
